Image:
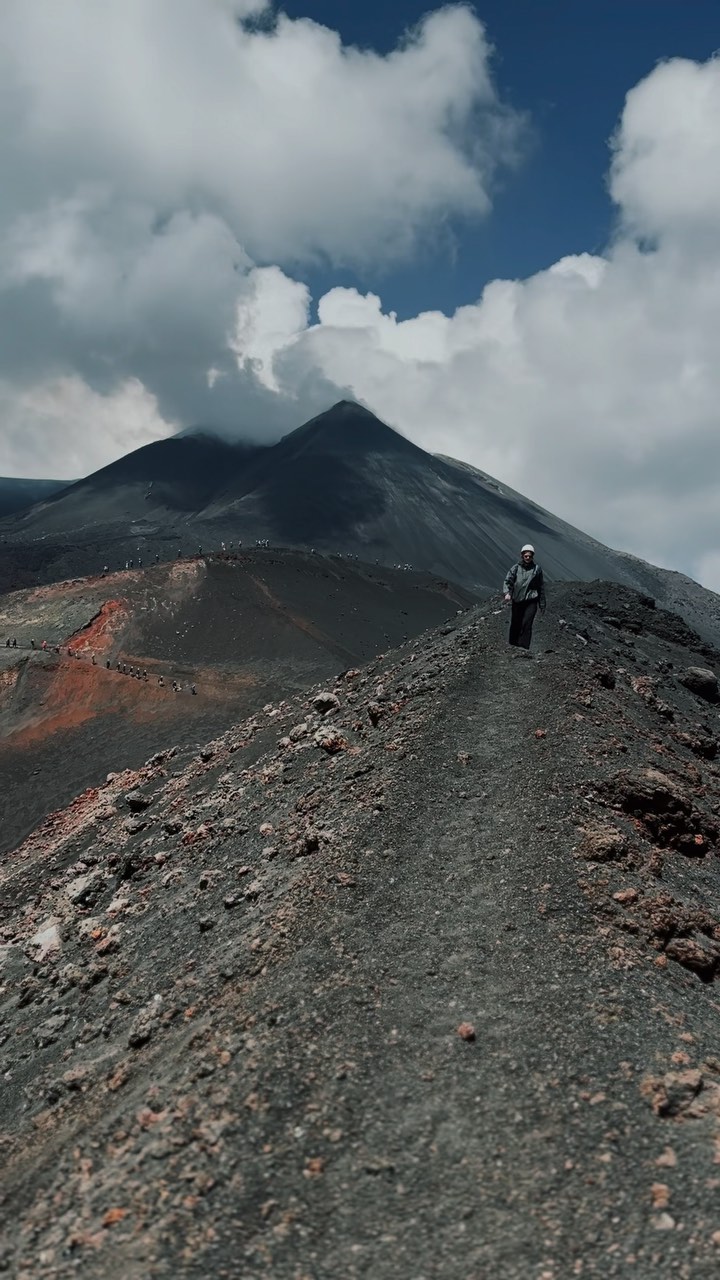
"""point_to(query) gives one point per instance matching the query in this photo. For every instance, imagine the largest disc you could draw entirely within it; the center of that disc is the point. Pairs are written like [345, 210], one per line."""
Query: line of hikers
[121, 667]
[133, 562]
[142, 675]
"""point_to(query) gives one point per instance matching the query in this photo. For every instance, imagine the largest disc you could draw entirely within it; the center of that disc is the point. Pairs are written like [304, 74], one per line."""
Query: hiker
[32, 644]
[193, 689]
[157, 558]
[7, 644]
[161, 682]
[524, 589]
[14, 643]
[107, 664]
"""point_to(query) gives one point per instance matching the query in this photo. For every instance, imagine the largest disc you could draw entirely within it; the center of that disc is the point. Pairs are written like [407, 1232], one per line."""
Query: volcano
[343, 483]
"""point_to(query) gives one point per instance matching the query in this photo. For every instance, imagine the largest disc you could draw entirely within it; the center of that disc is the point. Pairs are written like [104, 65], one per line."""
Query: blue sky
[569, 64]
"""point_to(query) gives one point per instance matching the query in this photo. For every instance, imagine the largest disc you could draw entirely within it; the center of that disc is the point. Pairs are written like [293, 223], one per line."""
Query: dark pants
[521, 623]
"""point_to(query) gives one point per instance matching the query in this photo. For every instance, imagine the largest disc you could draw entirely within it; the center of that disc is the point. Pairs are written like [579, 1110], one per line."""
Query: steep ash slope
[410, 977]
[244, 630]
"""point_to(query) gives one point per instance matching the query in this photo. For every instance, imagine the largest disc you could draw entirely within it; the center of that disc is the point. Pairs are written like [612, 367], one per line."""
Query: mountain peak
[348, 427]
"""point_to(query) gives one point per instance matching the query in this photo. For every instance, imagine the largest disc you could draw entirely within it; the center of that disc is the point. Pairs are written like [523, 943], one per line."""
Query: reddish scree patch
[75, 692]
[98, 635]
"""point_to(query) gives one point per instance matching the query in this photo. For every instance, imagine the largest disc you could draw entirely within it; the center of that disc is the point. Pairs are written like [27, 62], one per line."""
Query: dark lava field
[406, 974]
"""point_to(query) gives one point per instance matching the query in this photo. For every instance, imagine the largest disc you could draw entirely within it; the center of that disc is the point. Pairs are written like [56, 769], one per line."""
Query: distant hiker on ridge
[524, 589]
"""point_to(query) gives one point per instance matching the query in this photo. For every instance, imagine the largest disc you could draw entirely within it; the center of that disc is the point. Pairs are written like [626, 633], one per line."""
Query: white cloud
[594, 386]
[666, 168]
[303, 146]
[154, 151]
[62, 429]
[271, 309]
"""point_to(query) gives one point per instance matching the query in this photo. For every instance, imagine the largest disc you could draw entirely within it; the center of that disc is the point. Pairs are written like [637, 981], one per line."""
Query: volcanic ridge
[408, 975]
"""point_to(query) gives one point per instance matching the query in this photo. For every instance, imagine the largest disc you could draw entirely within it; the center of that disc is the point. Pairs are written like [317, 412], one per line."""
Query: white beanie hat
[527, 547]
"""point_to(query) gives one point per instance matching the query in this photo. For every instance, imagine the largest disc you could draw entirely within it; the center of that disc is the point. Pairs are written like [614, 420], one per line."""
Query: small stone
[136, 801]
[85, 890]
[326, 701]
[701, 956]
[330, 740]
[663, 1222]
[626, 896]
[308, 843]
[144, 1025]
[701, 681]
[466, 1031]
[47, 940]
[660, 1194]
[602, 843]
[134, 825]
[48, 1031]
[206, 923]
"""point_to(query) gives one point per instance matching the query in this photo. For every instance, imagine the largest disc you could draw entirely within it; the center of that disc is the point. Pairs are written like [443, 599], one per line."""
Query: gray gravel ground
[360, 999]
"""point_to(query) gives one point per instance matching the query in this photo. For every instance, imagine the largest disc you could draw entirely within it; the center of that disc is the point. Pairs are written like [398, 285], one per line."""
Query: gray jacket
[525, 584]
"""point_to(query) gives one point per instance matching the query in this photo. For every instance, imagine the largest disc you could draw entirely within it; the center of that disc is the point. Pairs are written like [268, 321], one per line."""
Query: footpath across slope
[411, 978]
